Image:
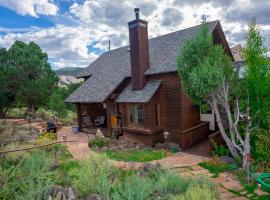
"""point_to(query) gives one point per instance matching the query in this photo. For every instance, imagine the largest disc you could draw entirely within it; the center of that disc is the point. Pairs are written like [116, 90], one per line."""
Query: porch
[93, 116]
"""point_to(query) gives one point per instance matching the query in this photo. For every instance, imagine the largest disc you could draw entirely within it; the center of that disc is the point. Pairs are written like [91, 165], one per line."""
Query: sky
[75, 32]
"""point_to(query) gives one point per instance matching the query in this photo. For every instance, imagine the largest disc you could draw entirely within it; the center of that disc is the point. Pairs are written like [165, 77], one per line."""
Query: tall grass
[97, 175]
[29, 179]
[93, 176]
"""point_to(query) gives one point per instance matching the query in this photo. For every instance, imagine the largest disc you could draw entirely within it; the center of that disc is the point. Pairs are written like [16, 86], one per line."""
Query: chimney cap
[137, 10]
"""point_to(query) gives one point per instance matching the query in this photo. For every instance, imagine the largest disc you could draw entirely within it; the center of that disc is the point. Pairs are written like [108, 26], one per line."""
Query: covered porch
[93, 116]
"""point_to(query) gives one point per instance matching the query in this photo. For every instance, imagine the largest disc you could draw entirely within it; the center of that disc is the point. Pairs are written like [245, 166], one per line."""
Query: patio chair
[99, 121]
[87, 121]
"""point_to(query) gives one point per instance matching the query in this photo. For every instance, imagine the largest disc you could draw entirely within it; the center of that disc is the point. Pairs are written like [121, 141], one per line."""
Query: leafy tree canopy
[257, 77]
[26, 76]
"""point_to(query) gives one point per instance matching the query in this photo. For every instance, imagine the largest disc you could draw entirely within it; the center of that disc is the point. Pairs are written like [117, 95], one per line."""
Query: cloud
[83, 28]
[33, 8]
[223, 3]
[171, 17]
[68, 45]
[243, 14]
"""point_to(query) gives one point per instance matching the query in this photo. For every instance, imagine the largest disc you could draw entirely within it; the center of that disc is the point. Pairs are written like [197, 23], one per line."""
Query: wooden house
[138, 90]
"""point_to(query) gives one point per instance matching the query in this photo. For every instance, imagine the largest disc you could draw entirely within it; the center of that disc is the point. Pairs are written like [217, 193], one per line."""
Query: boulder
[227, 159]
[172, 146]
[100, 134]
[94, 197]
[70, 195]
[161, 145]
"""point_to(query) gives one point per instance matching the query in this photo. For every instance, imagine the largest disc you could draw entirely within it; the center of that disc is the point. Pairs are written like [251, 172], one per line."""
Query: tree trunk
[228, 141]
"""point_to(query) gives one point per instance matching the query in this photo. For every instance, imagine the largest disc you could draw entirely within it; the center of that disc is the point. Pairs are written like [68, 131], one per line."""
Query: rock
[233, 185]
[259, 192]
[172, 146]
[161, 145]
[94, 197]
[227, 159]
[57, 192]
[100, 134]
[70, 195]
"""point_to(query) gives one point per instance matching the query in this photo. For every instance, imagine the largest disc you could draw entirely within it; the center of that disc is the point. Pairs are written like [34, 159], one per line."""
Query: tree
[57, 104]
[66, 91]
[207, 75]
[8, 83]
[257, 77]
[32, 74]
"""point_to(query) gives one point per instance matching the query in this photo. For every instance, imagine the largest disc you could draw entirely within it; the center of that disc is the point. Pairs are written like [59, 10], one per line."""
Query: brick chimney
[139, 51]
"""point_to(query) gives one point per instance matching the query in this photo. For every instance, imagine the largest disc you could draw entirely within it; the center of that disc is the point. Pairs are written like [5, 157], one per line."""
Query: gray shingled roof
[112, 67]
[139, 96]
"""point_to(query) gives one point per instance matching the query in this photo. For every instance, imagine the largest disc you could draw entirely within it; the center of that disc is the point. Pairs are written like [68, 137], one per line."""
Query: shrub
[215, 165]
[134, 187]
[260, 143]
[68, 120]
[44, 114]
[93, 176]
[30, 178]
[220, 150]
[98, 142]
[169, 184]
[135, 155]
[47, 136]
[199, 189]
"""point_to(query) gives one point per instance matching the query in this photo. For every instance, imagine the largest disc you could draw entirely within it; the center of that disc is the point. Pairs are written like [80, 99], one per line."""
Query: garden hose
[264, 180]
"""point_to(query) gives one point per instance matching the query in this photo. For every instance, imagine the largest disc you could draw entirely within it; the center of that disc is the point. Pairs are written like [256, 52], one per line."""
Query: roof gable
[112, 67]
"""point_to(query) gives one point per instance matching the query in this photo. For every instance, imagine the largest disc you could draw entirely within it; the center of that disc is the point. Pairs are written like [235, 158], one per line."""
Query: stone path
[184, 164]
[79, 149]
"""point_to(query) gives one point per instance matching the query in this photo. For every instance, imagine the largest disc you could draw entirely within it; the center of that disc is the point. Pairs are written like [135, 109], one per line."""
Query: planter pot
[75, 129]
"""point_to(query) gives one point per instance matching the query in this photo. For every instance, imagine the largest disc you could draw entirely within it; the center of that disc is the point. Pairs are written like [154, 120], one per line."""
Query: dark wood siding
[178, 113]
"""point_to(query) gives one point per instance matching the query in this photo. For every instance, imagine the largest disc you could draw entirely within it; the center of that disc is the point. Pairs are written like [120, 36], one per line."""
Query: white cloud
[33, 8]
[66, 45]
[95, 22]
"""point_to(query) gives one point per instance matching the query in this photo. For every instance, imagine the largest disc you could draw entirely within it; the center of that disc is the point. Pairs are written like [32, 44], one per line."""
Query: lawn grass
[134, 155]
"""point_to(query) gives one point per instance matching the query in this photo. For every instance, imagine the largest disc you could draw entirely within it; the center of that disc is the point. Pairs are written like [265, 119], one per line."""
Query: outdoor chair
[87, 121]
[99, 121]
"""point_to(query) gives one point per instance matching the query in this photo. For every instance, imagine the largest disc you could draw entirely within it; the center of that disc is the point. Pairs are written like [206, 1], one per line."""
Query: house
[138, 90]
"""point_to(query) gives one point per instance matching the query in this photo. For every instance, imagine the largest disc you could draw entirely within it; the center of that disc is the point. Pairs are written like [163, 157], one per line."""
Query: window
[157, 114]
[136, 115]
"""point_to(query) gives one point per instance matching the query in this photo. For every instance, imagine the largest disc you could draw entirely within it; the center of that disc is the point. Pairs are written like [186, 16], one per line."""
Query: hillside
[68, 71]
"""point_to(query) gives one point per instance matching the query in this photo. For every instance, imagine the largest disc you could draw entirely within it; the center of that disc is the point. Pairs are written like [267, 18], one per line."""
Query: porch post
[79, 116]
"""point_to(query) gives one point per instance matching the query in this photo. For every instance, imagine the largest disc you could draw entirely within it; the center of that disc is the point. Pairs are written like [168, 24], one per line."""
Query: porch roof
[139, 96]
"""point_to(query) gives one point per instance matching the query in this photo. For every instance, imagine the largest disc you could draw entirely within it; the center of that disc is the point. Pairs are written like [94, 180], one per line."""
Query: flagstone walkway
[185, 164]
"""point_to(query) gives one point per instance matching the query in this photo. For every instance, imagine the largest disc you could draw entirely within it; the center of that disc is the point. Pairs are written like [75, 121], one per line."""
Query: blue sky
[75, 32]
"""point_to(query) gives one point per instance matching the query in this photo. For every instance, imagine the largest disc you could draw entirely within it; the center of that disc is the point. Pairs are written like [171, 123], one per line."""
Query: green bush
[199, 189]
[93, 176]
[44, 114]
[96, 175]
[220, 150]
[134, 155]
[16, 112]
[134, 187]
[170, 183]
[98, 142]
[30, 178]
[260, 143]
